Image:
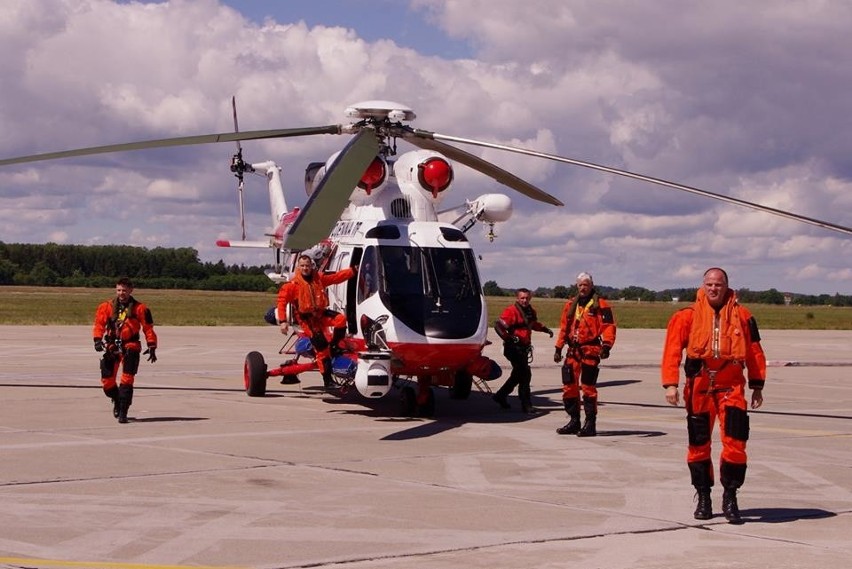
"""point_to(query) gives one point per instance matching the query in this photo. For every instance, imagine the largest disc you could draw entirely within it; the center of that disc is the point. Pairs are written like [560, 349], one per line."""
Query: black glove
[605, 351]
[516, 340]
[548, 331]
[99, 345]
[557, 355]
[152, 354]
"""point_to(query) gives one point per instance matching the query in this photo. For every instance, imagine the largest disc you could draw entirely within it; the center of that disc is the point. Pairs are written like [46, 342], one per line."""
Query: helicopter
[415, 311]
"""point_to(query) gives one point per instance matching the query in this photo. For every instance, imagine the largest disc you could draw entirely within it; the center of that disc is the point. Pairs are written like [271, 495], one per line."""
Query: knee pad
[567, 375]
[131, 363]
[590, 375]
[107, 365]
[698, 428]
[736, 423]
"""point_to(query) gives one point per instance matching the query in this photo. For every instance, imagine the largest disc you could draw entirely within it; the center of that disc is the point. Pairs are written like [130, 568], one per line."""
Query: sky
[745, 99]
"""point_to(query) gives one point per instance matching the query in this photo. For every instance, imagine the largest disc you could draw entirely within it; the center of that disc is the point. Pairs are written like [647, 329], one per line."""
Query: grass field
[76, 306]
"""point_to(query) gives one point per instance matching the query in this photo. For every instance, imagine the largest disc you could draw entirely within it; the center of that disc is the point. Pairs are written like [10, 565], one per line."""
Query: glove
[99, 345]
[557, 355]
[152, 354]
[548, 331]
[516, 340]
[605, 352]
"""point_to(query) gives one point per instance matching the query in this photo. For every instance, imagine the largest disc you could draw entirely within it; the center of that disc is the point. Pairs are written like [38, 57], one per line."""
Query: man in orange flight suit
[308, 291]
[721, 338]
[118, 323]
[515, 327]
[588, 330]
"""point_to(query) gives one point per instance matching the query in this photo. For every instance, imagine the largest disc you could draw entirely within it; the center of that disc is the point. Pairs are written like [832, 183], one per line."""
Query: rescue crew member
[587, 328]
[118, 323]
[515, 327]
[721, 338]
[307, 291]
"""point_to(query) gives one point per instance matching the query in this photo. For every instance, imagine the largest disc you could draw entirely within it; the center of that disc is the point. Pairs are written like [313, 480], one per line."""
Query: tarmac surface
[205, 476]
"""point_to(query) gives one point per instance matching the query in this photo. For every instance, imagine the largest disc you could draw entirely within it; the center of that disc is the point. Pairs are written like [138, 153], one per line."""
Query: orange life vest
[732, 338]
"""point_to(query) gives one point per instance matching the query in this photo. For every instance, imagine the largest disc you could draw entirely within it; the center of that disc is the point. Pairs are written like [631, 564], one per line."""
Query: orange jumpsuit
[719, 346]
[587, 327]
[119, 327]
[312, 312]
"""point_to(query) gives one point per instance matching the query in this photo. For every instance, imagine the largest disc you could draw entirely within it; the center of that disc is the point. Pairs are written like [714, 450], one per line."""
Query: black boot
[125, 399]
[732, 477]
[525, 395]
[572, 427]
[589, 429]
[500, 399]
[112, 393]
[730, 507]
[337, 335]
[701, 474]
[327, 379]
[704, 509]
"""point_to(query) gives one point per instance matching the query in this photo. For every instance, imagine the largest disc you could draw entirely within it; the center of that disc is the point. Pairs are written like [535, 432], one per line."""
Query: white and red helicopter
[416, 314]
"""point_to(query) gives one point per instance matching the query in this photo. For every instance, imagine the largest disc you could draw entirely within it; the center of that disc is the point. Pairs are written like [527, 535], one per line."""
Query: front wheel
[254, 375]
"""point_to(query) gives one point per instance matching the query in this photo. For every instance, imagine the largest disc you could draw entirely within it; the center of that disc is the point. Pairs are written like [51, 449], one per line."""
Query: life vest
[732, 337]
[310, 295]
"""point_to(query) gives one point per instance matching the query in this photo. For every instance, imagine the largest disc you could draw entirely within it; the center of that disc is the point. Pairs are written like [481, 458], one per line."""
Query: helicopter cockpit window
[434, 291]
[368, 278]
[452, 234]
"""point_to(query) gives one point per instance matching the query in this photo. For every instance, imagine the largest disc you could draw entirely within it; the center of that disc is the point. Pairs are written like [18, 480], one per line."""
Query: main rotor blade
[179, 141]
[426, 140]
[330, 198]
[658, 181]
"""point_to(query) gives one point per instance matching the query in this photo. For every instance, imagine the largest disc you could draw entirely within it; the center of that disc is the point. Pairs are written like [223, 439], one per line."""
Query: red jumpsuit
[119, 326]
[515, 327]
[312, 312]
[719, 346]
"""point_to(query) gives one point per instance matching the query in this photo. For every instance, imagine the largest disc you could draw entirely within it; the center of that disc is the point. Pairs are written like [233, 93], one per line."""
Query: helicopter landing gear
[462, 385]
[254, 375]
[411, 405]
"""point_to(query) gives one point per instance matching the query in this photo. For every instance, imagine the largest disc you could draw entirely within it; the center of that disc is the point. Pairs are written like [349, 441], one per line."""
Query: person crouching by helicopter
[515, 327]
[307, 291]
[587, 328]
[118, 323]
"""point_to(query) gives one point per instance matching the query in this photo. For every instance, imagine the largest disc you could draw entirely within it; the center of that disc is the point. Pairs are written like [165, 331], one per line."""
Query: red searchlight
[373, 176]
[435, 175]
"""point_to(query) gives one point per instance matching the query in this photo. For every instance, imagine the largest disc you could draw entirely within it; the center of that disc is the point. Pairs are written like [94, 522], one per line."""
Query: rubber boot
[732, 477]
[589, 429]
[337, 335]
[525, 395]
[327, 379]
[572, 427]
[500, 399]
[112, 393]
[125, 399]
[702, 479]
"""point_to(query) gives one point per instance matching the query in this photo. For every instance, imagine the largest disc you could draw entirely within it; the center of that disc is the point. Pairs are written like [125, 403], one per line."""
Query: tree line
[99, 266]
[640, 294]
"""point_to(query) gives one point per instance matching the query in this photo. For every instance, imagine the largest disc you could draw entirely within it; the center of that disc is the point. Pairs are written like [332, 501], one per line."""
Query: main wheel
[428, 408]
[408, 401]
[461, 385]
[254, 375]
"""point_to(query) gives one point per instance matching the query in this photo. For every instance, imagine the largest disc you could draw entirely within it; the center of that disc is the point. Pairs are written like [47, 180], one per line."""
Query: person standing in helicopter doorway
[118, 323]
[587, 329]
[721, 340]
[308, 291]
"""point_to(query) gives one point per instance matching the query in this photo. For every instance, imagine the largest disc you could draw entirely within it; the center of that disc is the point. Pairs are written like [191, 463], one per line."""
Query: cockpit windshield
[435, 291]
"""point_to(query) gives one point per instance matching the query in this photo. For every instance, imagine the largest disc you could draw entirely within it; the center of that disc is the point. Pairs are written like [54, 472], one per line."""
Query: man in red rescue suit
[721, 339]
[307, 291]
[118, 323]
[515, 327]
[587, 329]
